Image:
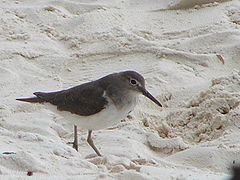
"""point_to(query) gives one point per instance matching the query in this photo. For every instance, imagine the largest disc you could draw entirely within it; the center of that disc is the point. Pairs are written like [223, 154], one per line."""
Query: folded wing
[83, 100]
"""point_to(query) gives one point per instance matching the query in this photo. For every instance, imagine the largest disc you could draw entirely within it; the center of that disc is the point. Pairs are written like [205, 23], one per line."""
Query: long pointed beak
[148, 95]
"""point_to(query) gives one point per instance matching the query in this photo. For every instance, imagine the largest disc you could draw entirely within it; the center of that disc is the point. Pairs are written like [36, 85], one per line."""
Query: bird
[97, 104]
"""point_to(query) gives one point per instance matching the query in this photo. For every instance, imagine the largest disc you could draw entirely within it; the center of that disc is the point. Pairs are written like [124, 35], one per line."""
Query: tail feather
[46, 96]
[31, 99]
[40, 97]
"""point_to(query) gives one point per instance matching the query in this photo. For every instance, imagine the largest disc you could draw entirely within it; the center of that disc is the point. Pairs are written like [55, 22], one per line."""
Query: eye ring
[133, 81]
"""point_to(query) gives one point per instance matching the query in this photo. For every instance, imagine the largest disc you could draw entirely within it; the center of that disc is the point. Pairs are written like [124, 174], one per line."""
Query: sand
[189, 53]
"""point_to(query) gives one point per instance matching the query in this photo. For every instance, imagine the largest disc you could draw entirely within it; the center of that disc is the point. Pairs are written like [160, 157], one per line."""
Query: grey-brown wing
[83, 100]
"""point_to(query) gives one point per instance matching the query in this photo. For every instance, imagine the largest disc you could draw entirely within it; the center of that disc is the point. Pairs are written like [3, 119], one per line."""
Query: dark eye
[133, 82]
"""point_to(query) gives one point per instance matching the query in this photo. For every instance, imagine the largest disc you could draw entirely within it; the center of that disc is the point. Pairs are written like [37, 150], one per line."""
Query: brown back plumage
[83, 100]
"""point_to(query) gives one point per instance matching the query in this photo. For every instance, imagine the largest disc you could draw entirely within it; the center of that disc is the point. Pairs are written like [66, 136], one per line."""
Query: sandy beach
[189, 53]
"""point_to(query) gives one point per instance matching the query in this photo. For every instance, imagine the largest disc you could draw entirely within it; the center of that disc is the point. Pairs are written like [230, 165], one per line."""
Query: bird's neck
[123, 98]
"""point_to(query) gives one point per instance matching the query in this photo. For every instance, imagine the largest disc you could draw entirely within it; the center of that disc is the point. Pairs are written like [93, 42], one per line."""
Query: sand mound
[183, 4]
[207, 116]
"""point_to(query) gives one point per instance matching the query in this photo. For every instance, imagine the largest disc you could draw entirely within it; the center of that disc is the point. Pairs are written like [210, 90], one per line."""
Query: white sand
[51, 45]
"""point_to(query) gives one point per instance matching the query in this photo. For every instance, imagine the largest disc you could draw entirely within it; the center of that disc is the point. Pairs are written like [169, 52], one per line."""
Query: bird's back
[84, 100]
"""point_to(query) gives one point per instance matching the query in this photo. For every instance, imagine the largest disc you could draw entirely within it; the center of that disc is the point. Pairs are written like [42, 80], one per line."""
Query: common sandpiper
[98, 104]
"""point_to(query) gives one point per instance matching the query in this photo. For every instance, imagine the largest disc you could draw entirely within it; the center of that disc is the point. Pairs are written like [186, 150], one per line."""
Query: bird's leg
[90, 142]
[75, 142]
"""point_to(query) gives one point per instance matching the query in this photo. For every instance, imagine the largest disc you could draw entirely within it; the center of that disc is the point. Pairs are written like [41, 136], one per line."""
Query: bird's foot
[74, 145]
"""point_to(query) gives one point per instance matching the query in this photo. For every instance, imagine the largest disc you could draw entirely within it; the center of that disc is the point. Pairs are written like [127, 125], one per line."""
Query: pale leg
[90, 142]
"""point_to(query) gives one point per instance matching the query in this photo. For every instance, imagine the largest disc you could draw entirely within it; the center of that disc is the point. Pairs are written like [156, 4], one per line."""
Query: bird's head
[135, 82]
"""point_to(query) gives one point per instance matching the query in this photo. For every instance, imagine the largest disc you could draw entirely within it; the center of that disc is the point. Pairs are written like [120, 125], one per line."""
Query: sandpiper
[98, 104]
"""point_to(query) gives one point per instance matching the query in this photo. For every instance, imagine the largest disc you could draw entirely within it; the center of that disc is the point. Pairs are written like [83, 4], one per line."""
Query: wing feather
[83, 100]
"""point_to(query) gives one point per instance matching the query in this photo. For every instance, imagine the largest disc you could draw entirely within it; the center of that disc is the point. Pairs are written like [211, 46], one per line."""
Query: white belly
[109, 116]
